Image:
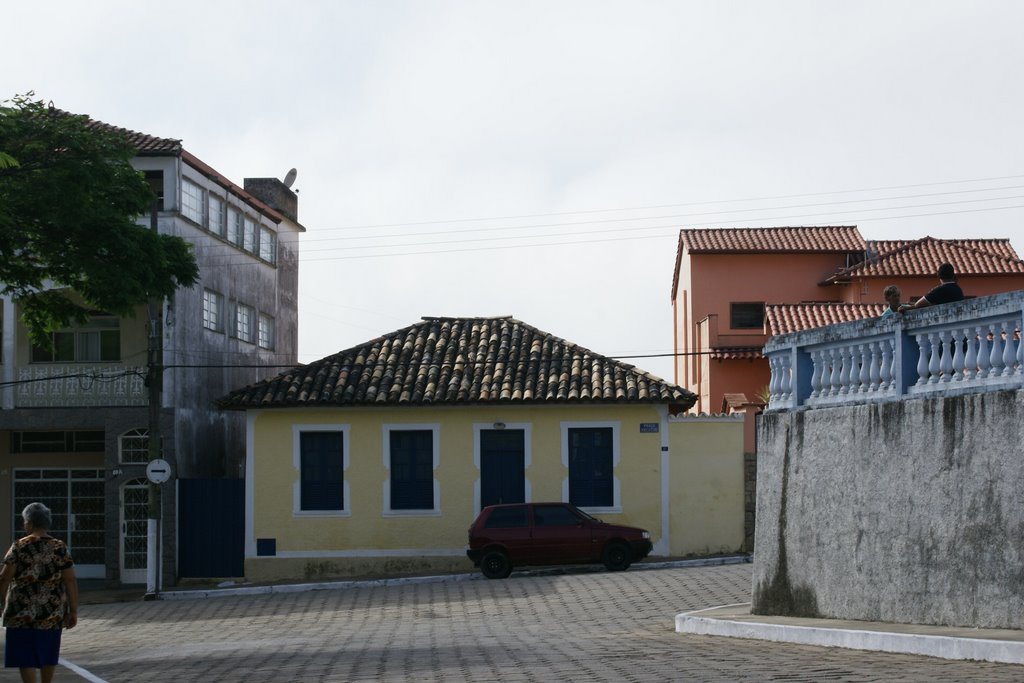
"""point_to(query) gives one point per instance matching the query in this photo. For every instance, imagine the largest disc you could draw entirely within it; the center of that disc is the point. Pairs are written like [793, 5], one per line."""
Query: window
[411, 460]
[554, 515]
[133, 447]
[57, 442]
[155, 180]
[216, 215]
[213, 306]
[320, 457]
[321, 471]
[98, 340]
[512, 517]
[268, 245]
[234, 227]
[591, 462]
[243, 322]
[265, 337]
[192, 202]
[249, 235]
[746, 316]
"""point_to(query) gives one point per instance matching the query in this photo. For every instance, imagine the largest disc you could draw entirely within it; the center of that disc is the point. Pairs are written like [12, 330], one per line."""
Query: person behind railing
[892, 297]
[946, 292]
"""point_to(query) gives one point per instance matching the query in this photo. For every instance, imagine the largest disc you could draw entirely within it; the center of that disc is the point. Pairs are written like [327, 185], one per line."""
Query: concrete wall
[905, 512]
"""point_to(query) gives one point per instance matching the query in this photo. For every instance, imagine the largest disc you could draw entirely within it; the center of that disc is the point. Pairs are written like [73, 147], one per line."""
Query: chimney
[274, 194]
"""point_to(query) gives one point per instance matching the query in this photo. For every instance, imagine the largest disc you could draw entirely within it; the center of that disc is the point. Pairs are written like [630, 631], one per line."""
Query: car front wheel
[495, 565]
[617, 557]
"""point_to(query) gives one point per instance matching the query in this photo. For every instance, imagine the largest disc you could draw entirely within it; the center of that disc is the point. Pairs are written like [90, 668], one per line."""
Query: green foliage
[69, 199]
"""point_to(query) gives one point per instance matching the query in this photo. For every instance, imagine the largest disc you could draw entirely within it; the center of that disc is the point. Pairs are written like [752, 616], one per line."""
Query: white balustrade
[972, 346]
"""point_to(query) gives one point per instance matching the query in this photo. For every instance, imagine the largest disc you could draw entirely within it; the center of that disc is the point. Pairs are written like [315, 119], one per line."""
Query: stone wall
[908, 512]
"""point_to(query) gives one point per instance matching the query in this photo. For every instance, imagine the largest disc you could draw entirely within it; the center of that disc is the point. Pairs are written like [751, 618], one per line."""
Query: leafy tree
[69, 199]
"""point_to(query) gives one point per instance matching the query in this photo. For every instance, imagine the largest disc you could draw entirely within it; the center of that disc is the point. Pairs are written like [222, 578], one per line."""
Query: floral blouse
[36, 597]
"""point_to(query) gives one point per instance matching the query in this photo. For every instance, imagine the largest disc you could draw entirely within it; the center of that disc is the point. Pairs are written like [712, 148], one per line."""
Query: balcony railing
[54, 386]
[966, 347]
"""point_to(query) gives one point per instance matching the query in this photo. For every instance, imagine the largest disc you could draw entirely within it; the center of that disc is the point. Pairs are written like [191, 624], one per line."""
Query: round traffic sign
[158, 471]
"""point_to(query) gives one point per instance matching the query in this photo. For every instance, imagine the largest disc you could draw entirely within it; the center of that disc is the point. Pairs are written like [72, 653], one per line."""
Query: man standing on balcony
[946, 292]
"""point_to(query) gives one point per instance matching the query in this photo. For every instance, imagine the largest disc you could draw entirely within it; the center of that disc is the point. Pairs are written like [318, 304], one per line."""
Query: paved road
[569, 627]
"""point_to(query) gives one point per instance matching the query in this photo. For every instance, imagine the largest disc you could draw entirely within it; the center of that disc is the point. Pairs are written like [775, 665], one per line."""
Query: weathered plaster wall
[904, 512]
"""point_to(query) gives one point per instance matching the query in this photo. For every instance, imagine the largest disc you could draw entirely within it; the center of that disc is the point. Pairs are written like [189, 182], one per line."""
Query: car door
[508, 526]
[560, 535]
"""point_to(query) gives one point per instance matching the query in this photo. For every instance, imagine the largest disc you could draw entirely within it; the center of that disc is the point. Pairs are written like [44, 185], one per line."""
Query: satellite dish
[289, 178]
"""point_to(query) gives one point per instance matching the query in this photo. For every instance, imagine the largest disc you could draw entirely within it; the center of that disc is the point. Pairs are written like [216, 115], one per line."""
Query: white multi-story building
[74, 423]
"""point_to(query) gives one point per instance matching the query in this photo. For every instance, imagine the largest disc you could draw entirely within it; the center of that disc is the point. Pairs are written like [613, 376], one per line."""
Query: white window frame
[215, 214]
[193, 201]
[268, 245]
[140, 434]
[435, 428]
[244, 322]
[249, 234]
[616, 428]
[233, 231]
[265, 331]
[297, 511]
[213, 310]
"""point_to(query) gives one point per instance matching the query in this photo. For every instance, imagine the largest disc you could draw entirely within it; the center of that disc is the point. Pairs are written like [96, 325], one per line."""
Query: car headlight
[647, 534]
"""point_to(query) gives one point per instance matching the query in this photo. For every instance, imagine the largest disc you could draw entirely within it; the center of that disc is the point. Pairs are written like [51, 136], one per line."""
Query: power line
[666, 216]
[666, 206]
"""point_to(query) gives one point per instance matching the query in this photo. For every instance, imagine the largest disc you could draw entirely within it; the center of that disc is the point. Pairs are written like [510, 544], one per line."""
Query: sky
[538, 159]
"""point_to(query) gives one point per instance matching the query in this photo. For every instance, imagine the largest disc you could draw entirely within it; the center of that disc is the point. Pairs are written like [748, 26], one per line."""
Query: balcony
[78, 385]
[966, 347]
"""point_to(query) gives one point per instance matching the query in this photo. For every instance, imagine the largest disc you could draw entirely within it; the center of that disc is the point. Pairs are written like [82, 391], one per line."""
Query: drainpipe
[662, 546]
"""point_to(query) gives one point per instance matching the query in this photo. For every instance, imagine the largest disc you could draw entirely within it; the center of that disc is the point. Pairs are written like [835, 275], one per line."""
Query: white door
[134, 530]
[76, 501]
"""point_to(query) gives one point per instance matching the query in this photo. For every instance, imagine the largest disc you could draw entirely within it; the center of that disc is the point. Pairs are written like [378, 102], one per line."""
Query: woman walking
[40, 596]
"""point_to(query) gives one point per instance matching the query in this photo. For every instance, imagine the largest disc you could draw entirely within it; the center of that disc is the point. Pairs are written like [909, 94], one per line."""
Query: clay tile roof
[786, 318]
[803, 240]
[922, 257]
[735, 353]
[144, 144]
[460, 361]
[840, 239]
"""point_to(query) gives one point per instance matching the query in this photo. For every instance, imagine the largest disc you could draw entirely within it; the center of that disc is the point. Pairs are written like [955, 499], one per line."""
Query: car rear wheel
[617, 557]
[495, 565]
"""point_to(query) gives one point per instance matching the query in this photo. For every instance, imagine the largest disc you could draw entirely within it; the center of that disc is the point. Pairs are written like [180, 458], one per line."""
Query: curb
[200, 594]
[944, 647]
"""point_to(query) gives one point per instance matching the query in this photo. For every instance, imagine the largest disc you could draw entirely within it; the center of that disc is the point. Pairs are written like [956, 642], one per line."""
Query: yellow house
[375, 460]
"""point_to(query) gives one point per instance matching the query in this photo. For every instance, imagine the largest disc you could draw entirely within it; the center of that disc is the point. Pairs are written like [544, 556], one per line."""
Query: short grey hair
[37, 515]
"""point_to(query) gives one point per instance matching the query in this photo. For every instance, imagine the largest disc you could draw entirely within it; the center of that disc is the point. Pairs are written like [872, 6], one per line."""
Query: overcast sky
[537, 159]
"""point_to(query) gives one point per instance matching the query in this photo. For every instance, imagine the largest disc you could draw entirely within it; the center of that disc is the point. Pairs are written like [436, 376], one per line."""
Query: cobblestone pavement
[563, 627]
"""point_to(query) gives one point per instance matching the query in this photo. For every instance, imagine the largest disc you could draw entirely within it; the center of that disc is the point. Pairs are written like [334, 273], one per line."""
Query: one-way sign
[158, 471]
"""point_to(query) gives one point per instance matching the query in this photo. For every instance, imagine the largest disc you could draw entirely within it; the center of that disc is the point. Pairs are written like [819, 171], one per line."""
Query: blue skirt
[32, 648]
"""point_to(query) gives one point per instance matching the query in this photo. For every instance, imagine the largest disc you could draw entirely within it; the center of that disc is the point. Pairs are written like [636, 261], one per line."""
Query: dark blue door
[211, 528]
[502, 466]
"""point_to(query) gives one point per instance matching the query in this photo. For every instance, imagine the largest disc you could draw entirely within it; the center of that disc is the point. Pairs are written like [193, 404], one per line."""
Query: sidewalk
[947, 642]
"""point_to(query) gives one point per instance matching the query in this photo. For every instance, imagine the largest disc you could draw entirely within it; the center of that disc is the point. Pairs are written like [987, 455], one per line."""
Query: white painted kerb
[945, 647]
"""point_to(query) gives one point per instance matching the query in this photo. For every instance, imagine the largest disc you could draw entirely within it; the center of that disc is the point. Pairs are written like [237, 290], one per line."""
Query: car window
[506, 518]
[554, 515]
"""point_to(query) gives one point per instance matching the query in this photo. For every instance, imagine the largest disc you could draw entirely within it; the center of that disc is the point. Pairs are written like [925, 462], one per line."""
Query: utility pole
[155, 383]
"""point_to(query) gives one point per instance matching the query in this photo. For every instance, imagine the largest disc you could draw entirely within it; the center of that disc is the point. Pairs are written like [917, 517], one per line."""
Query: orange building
[734, 287]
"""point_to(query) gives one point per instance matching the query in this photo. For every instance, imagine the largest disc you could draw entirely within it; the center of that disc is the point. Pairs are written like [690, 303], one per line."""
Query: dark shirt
[946, 293]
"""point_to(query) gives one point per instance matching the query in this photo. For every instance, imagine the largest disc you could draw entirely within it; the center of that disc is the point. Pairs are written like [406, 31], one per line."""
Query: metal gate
[211, 528]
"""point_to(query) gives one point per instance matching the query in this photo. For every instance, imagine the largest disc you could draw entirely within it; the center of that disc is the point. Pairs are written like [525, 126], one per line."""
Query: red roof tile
[737, 353]
[786, 318]
[806, 240]
[921, 258]
[461, 361]
[144, 144]
[841, 239]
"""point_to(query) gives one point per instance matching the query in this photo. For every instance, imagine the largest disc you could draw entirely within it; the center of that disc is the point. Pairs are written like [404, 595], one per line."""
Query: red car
[507, 536]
